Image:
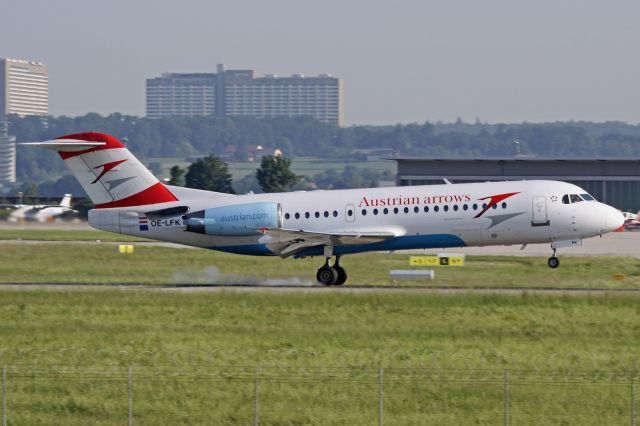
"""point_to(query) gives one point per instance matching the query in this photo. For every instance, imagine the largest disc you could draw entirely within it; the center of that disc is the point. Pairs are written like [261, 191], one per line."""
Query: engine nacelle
[235, 220]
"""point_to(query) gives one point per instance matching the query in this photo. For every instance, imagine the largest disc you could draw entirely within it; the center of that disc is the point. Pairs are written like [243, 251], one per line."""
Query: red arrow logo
[107, 167]
[494, 199]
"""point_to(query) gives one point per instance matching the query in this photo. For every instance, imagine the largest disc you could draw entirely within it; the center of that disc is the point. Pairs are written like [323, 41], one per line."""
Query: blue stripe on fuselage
[398, 243]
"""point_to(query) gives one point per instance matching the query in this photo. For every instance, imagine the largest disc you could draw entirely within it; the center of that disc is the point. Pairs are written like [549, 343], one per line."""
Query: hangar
[614, 181]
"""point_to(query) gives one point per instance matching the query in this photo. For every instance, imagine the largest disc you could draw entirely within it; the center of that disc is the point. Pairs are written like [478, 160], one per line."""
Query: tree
[177, 176]
[274, 174]
[209, 173]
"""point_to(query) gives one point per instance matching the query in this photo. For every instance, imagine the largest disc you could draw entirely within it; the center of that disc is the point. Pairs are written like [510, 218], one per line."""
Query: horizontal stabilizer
[65, 145]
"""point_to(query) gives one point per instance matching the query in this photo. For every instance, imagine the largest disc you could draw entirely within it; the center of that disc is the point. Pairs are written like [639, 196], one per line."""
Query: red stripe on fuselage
[157, 193]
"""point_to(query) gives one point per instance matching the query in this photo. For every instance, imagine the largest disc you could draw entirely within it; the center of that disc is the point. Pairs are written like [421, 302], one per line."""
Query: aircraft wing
[288, 242]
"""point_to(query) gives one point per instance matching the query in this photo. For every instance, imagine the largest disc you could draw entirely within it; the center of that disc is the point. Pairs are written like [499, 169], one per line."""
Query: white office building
[24, 87]
[241, 93]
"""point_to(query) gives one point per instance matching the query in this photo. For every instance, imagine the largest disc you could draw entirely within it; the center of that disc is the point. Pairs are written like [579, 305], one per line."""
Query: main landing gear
[331, 275]
[553, 261]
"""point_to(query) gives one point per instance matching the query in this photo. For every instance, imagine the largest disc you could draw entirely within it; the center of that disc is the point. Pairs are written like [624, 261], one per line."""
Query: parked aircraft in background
[631, 221]
[130, 200]
[40, 213]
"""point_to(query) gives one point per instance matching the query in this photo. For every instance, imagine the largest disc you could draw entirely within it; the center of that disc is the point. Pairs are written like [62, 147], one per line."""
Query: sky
[401, 61]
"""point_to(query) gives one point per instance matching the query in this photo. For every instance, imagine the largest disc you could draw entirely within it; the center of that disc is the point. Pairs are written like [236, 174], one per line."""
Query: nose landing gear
[553, 261]
[331, 275]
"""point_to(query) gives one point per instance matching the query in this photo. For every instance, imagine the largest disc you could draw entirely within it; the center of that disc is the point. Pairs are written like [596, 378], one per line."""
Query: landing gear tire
[327, 275]
[342, 275]
[553, 262]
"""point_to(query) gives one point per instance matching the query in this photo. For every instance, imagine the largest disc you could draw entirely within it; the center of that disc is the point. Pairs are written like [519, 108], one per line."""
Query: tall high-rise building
[24, 87]
[7, 154]
[240, 92]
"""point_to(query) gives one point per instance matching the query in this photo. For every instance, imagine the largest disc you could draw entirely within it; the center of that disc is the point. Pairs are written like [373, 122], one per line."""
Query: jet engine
[235, 220]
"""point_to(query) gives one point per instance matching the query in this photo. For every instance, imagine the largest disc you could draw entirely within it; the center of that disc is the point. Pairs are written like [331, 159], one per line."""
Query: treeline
[303, 136]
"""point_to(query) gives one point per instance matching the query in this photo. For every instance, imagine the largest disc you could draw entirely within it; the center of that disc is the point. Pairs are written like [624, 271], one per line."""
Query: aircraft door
[349, 213]
[539, 212]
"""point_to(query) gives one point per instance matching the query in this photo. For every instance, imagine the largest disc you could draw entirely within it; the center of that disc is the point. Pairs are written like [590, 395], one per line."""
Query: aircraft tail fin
[108, 172]
[66, 201]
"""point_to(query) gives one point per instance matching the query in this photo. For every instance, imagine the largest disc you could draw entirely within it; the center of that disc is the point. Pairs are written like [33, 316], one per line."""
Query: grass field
[193, 357]
[64, 235]
[312, 358]
[101, 263]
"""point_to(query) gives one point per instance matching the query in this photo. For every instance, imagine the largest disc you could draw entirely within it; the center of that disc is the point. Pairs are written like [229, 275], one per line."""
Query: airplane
[41, 212]
[130, 200]
[631, 221]
[46, 213]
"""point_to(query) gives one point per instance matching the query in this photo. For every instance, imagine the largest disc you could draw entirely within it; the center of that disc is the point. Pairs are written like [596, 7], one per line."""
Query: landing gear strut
[553, 261]
[331, 275]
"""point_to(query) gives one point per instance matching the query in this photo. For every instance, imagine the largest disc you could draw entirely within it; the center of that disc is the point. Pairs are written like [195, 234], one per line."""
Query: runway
[318, 289]
[612, 244]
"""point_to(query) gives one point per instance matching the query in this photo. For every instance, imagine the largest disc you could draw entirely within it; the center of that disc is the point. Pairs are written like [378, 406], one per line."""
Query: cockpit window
[587, 197]
[575, 198]
[565, 199]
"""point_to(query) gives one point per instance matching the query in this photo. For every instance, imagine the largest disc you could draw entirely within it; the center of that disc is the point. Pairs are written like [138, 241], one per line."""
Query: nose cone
[614, 219]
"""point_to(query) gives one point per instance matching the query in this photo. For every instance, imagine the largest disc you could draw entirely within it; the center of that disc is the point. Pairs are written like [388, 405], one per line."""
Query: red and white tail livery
[108, 172]
[130, 200]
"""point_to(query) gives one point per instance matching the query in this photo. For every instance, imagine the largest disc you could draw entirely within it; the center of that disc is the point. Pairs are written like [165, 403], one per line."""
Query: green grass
[570, 359]
[64, 235]
[101, 263]
[194, 356]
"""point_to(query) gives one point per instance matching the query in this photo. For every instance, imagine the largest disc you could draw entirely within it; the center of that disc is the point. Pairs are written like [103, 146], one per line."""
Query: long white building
[24, 87]
[241, 93]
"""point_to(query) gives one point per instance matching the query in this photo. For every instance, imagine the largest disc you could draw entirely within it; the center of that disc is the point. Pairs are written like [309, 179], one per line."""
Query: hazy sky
[401, 61]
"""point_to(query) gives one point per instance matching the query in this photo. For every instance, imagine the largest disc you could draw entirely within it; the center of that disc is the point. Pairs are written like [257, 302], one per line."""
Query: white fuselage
[433, 216]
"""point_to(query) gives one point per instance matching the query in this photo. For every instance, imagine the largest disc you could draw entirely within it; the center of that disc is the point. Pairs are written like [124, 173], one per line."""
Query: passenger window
[465, 207]
[375, 211]
[475, 207]
[287, 216]
[335, 213]
[385, 211]
[349, 212]
[455, 207]
[416, 209]
[484, 206]
[297, 215]
[504, 205]
[395, 210]
[406, 209]
[565, 199]
[426, 209]
[306, 215]
[436, 208]
[317, 215]
[326, 213]
[446, 208]
[495, 206]
[364, 212]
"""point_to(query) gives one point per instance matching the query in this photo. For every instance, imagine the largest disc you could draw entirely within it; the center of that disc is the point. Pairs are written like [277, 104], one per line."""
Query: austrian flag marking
[143, 221]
